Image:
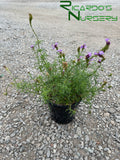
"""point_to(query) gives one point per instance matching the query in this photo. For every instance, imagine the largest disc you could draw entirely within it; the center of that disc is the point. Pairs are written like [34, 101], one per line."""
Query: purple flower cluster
[55, 46]
[83, 46]
[60, 51]
[99, 61]
[61, 54]
[88, 55]
[32, 46]
[107, 41]
[100, 53]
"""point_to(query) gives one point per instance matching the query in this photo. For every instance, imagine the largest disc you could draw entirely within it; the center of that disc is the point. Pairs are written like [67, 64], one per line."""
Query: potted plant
[64, 83]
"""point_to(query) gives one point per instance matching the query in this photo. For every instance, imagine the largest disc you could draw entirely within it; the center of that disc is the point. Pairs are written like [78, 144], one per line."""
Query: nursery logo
[75, 10]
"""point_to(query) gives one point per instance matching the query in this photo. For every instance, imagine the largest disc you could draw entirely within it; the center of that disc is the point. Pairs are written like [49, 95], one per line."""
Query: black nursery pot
[60, 114]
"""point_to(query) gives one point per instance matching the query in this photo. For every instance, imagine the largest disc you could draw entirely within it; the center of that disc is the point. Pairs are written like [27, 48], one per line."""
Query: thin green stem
[35, 35]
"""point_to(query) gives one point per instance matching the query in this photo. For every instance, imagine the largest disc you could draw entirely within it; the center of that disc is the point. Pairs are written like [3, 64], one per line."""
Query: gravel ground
[26, 130]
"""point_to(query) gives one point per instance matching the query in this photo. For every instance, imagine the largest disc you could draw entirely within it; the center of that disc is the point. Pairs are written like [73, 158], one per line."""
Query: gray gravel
[26, 129]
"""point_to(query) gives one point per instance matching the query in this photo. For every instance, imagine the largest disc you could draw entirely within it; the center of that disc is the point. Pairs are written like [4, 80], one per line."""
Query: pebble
[7, 139]
[96, 107]
[107, 158]
[112, 110]
[117, 117]
[100, 147]
[22, 148]
[118, 109]
[112, 122]
[118, 120]
[78, 132]
[75, 136]
[25, 96]
[55, 145]
[40, 152]
[107, 150]
[54, 150]
[76, 157]
[82, 144]
[87, 138]
[8, 148]
[106, 114]
[48, 153]
[1, 117]
[90, 150]
[13, 134]
[48, 139]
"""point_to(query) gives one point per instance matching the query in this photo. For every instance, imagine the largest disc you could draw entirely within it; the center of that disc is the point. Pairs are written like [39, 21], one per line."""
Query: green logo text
[72, 9]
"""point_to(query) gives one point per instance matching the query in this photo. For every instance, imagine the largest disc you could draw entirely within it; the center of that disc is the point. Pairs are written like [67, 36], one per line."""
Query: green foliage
[62, 81]
[70, 87]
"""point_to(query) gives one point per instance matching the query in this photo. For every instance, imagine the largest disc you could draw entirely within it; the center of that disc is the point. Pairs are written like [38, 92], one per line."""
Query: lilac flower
[32, 46]
[55, 46]
[107, 41]
[91, 60]
[88, 55]
[60, 50]
[83, 46]
[96, 54]
[100, 53]
[99, 61]
[81, 57]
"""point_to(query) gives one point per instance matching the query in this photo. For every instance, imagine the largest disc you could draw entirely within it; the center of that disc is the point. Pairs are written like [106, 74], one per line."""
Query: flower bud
[32, 46]
[63, 55]
[64, 65]
[78, 61]
[83, 46]
[88, 55]
[78, 49]
[59, 51]
[30, 18]
[104, 83]
[73, 61]
[6, 68]
[55, 46]
[99, 61]
[107, 41]
[100, 53]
